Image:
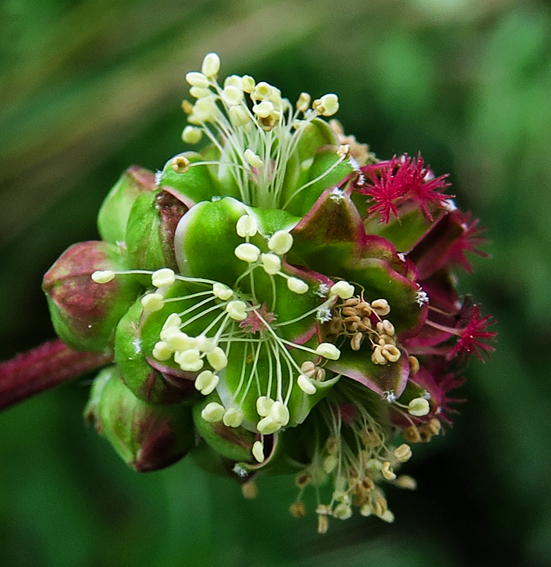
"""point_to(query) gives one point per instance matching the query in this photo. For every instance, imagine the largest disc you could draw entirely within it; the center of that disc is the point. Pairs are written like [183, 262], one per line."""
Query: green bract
[278, 302]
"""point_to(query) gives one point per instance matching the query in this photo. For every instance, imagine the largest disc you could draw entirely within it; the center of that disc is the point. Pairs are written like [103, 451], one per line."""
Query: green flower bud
[115, 210]
[85, 313]
[147, 437]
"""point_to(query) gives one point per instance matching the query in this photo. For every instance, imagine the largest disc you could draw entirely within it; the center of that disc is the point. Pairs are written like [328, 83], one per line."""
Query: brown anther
[180, 164]
[386, 340]
[298, 509]
[344, 151]
[303, 479]
[308, 368]
[380, 506]
[349, 311]
[356, 341]
[369, 437]
[411, 434]
[187, 107]
[365, 325]
[352, 319]
[249, 489]
[267, 123]
[335, 326]
[413, 365]
[377, 356]
[387, 471]
[391, 353]
[381, 307]
[352, 302]
[434, 426]
[367, 484]
[332, 445]
[317, 105]
[388, 328]
[405, 481]
[323, 524]
[323, 510]
[403, 452]
[319, 375]
[365, 309]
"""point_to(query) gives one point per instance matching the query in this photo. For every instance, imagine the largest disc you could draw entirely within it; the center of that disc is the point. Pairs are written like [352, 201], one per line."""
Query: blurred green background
[89, 87]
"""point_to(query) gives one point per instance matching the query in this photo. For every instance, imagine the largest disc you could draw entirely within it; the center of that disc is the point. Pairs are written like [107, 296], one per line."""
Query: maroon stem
[42, 368]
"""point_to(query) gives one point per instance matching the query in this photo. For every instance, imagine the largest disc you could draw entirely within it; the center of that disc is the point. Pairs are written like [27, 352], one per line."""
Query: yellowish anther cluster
[360, 320]
[244, 119]
[359, 461]
[190, 352]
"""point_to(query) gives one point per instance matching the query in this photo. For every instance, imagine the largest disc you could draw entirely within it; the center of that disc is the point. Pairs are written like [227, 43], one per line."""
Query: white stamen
[163, 277]
[328, 350]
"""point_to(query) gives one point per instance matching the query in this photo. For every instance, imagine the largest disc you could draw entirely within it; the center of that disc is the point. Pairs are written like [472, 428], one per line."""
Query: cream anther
[199, 92]
[403, 453]
[233, 417]
[381, 307]
[264, 109]
[206, 382]
[204, 344]
[152, 302]
[306, 385]
[252, 159]
[180, 164]
[232, 96]
[297, 286]
[211, 64]
[192, 135]
[279, 413]
[280, 242]
[247, 252]
[303, 102]
[217, 358]
[162, 351]
[189, 360]
[329, 351]
[163, 277]
[267, 426]
[418, 407]
[213, 412]
[258, 451]
[177, 340]
[271, 263]
[264, 405]
[327, 105]
[196, 79]
[246, 226]
[237, 310]
[103, 276]
[342, 289]
[222, 291]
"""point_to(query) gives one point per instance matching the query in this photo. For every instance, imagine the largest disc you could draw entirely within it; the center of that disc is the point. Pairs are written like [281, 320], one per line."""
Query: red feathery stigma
[256, 319]
[473, 336]
[467, 242]
[393, 182]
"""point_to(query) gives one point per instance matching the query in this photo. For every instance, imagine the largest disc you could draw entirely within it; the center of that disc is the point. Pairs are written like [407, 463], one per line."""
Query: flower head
[258, 318]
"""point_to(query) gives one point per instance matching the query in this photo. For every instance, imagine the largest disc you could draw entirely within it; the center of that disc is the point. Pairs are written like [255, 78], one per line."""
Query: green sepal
[405, 231]
[131, 357]
[195, 185]
[301, 404]
[391, 377]
[206, 239]
[84, 313]
[299, 202]
[234, 443]
[147, 437]
[150, 230]
[115, 210]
